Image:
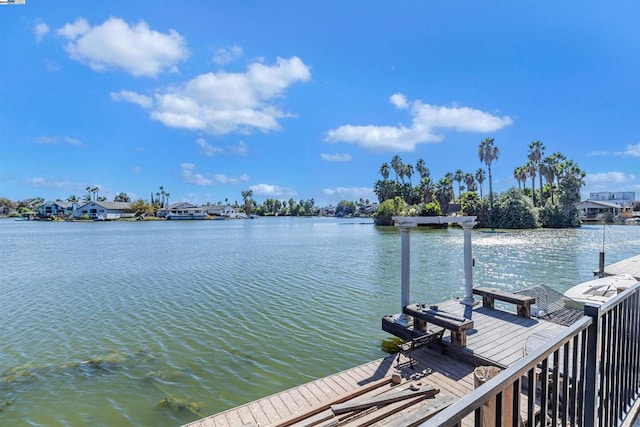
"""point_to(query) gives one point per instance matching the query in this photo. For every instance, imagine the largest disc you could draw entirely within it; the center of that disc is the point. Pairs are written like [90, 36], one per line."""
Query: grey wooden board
[358, 404]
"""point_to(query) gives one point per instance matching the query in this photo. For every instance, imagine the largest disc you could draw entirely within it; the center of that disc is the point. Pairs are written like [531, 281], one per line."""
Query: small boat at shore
[600, 290]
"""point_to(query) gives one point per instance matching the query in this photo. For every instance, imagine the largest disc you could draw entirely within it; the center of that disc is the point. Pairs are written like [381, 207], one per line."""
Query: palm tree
[95, 191]
[558, 160]
[408, 171]
[72, 199]
[246, 197]
[531, 172]
[396, 165]
[444, 193]
[520, 174]
[422, 169]
[469, 181]
[384, 171]
[480, 177]
[548, 169]
[488, 153]
[536, 151]
[166, 195]
[426, 189]
[458, 176]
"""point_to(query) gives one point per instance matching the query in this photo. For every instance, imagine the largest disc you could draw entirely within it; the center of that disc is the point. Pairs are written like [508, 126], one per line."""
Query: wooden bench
[523, 302]
[423, 314]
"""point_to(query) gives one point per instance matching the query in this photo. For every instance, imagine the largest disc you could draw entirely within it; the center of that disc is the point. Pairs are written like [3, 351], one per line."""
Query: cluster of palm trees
[556, 169]
[559, 173]
[162, 199]
[428, 190]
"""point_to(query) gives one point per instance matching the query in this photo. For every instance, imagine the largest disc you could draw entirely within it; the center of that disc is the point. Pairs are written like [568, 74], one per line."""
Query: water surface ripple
[102, 322]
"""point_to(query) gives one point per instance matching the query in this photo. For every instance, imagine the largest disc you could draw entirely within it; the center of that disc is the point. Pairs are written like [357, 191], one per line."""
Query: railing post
[592, 366]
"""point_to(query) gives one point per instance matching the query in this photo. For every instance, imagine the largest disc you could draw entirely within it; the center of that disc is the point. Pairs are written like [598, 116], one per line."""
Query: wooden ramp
[498, 338]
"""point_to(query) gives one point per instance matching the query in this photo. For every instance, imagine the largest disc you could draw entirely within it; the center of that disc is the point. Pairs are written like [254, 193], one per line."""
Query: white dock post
[405, 278]
[468, 263]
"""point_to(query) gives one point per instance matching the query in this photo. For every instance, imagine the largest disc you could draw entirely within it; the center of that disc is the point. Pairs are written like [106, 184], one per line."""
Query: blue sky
[302, 99]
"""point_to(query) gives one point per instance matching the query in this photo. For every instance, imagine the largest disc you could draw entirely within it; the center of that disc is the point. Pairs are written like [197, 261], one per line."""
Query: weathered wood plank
[327, 404]
[356, 405]
[420, 412]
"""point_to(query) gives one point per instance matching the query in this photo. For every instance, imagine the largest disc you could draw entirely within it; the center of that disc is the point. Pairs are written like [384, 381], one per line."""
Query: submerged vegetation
[12, 380]
[549, 205]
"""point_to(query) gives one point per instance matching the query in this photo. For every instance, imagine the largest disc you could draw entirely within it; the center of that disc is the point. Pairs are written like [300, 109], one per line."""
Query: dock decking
[629, 266]
[498, 338]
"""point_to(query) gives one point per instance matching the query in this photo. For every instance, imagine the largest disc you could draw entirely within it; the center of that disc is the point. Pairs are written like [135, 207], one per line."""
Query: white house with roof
[592, 209]
[105, 210]
[221, 210]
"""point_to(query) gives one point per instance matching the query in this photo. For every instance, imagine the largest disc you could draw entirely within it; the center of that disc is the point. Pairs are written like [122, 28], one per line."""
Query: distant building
[105, 210]
[59, 209]
[592, 210]
[621, 198]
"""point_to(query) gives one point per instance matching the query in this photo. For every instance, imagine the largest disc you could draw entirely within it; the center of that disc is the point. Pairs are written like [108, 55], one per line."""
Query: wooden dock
[498, 338]
[629, 266]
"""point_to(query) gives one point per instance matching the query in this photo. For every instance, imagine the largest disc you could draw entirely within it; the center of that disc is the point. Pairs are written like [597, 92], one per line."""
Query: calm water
[100, 322]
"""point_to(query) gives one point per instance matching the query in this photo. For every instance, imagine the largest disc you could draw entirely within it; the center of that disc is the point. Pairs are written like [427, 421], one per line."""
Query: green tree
[248, 201]
[422, 169]
[514, 210]
[488, 152]
[444, 193]
[536, 152]
[398, 167]
[429, 209]
[384, 171]
[480, 177]
[470, 182]
[458, 176]
[408, 171]
[345, 208]
[387, 209]
[122, 197]
[520, 174]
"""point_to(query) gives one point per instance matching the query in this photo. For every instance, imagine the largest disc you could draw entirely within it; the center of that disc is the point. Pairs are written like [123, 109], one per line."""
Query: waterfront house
[182, 210]
[104, 210]
[48, 210]
[221, 210]
[592, 209]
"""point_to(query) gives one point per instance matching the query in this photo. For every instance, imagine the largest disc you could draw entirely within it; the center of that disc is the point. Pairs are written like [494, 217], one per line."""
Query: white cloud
[241, 148]
[208, 149]
[426, 119]
[225, 56]
[399, 100]
[608, 179]
[189, 175]
[57, 184]
[73, 141]
[40, 30]
[222, 103]
[126, 95]
[268, 190]
[135, 49]
[350, 193]
[56, 140]
[632, 150]
[337, 157]
[224, 179]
